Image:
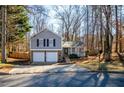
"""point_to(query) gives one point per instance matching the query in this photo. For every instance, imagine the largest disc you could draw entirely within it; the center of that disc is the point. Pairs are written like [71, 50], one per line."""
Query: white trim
[45, 49]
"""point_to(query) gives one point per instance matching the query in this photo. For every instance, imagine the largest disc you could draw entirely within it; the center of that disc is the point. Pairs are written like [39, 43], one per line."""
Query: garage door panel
[51, 56]
[38, 57]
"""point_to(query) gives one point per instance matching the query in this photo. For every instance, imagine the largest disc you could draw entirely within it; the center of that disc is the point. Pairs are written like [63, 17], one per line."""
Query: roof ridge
[45, 30]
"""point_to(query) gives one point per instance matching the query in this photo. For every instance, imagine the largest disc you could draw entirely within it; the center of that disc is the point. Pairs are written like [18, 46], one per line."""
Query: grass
[94, 65]
[5, 68]
[3, 65]
[115, 66]
[6, 65]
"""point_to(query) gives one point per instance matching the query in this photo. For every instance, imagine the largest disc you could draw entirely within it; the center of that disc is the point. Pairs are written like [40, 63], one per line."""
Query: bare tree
[4, 13]
[120, 31]
[87, 32]
[70, 21]
[108, 34]
[38, 15]
[101, 29]
[116, 16]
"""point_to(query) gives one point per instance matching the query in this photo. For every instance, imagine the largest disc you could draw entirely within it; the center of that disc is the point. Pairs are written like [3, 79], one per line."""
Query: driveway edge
[116, 72]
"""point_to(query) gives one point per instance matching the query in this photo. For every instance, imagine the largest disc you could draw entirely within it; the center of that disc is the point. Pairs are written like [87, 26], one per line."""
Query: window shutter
[54, 42]
[37, 42]
[44, 42]
[47, 42]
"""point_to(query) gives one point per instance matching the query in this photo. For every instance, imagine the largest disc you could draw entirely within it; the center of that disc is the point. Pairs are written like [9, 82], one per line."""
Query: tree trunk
[107, 43]
[120, 31]
[116, 15]
[87, 27]
[4, 34]
[101, 30]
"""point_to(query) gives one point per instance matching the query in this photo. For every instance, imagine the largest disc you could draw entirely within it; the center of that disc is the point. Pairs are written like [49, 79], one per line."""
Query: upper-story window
[44, 42]
[47, 42]
[73, 50]
[54, 42]
[41, 42]
[37, 42]
[50, 42]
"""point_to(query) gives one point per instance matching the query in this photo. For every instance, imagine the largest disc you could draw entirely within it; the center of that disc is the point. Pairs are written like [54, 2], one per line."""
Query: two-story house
[45, 46]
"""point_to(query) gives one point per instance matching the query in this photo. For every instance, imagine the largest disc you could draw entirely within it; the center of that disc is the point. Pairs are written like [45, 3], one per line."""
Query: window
[54, 42]
[41, 42]
[50, 42]
[47, 42]
[73, 50]
[44, 42]
[37, 42]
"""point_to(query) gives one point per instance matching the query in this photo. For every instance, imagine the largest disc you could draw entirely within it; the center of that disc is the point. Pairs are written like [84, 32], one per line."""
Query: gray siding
[46, 35]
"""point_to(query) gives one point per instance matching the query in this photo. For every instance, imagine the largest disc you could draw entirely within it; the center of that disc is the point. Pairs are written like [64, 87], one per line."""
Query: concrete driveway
[68, 79]
[47, 68]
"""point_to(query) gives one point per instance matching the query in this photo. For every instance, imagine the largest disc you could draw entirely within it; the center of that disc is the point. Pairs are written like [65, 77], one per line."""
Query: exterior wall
[46, 35]
[77, 51]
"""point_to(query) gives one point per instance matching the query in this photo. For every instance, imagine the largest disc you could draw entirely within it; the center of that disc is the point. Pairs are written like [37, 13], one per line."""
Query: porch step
[67, 59]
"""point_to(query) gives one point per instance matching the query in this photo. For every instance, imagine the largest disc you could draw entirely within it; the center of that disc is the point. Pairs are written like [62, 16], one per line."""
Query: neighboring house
[45, 47]
[73, 47]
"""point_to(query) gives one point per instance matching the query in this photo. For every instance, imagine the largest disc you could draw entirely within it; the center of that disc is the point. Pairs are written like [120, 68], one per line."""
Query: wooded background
[100, 27]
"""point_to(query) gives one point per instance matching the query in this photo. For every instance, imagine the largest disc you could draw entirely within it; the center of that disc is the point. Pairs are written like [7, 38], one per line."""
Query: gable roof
[44, 31]
[69, 44]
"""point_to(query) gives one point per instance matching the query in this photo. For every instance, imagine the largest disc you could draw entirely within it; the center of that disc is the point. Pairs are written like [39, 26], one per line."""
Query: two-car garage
[45, 56]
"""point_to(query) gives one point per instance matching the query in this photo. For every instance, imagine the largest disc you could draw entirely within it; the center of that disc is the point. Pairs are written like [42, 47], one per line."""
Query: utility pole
[4, 33]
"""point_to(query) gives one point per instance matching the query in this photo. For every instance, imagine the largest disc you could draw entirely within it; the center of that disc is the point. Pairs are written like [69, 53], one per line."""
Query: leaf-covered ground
[93, 64]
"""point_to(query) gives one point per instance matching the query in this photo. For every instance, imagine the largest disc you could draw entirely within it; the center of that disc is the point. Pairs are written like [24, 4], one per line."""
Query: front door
[66, 51]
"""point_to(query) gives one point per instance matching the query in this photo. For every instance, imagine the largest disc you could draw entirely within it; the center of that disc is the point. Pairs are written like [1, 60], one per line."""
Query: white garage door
[51, 56]
[38, 57]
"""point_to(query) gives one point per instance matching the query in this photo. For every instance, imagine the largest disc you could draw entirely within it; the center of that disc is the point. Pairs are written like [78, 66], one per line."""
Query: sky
[52, 22]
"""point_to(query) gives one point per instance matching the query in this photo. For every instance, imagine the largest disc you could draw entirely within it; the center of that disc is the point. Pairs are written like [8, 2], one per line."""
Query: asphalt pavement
[65, 79]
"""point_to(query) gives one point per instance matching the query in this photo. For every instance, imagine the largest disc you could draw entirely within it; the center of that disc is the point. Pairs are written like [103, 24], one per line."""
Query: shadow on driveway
[68, 79]
[57, 80]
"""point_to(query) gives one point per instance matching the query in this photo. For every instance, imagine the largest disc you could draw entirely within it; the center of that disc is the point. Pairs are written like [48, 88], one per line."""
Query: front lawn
[3, 65]
[115, 66]
[94, 65]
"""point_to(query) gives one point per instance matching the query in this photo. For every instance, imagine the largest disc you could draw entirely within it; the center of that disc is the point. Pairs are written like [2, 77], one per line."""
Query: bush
[86, 53]
[72, 56]
[93, 53]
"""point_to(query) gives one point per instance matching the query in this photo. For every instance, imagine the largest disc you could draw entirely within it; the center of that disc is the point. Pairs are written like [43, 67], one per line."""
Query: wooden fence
[23, 55]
